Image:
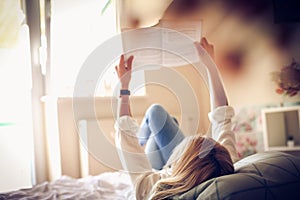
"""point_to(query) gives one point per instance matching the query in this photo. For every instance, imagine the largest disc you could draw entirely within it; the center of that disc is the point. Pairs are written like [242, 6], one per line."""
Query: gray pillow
[268, 175]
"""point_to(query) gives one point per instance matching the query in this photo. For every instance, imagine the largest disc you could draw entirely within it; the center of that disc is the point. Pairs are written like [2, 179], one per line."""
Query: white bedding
[109, 185]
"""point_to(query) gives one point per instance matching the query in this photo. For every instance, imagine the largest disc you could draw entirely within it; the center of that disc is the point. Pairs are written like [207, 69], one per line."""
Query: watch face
[125, 92]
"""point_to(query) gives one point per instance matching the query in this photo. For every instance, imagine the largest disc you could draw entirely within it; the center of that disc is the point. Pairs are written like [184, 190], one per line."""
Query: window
[16, 139]
[78, 27]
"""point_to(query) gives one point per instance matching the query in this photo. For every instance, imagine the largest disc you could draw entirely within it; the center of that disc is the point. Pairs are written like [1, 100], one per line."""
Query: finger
[121, 63]
[201, 49]
[204, 41]
[198, 46]
[116, 68]
[129, 62]
[206, 45]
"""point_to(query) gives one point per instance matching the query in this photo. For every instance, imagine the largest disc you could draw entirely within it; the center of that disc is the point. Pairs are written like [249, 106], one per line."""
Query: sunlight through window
[78, 27]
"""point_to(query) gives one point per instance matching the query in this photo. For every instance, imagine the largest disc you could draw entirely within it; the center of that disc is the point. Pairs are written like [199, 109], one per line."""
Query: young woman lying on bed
[172, 163]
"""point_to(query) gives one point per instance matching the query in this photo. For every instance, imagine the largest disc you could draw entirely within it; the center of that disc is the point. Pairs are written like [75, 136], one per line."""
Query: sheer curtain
[16, 137]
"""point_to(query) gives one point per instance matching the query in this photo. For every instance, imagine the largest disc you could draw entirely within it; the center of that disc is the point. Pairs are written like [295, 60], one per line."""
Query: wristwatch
[124, 92]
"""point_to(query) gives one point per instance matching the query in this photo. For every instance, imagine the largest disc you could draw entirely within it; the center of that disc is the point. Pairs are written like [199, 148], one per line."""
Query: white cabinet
[279, 125]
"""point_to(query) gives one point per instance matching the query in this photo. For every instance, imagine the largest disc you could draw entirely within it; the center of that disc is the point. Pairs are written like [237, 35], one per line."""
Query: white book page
[146, 46]
[178, 41]
[171, 43]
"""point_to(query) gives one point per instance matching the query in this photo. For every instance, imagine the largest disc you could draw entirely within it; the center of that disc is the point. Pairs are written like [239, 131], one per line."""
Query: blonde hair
[194, 161]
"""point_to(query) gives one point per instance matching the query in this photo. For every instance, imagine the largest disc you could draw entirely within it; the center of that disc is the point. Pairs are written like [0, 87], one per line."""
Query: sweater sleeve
[221, 129]
[131, 154]
[133, 158]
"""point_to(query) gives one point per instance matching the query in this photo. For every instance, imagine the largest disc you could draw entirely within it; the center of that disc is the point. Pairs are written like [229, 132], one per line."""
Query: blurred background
[43, 44]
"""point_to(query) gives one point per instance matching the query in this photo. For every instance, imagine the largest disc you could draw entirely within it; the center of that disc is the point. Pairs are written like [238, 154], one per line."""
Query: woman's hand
[204, 44]
[124, 71]
[208, 47]
[206, 53]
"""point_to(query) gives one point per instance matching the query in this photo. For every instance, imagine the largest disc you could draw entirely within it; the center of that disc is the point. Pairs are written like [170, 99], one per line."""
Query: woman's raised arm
[217, 92]
[124, 74]
[221, 114]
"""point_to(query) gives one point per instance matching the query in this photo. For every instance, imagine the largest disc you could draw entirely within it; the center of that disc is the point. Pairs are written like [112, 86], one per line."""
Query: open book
[170, 43]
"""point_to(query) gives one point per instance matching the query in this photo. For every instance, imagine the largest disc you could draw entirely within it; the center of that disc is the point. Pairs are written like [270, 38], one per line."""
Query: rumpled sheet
[109, 185]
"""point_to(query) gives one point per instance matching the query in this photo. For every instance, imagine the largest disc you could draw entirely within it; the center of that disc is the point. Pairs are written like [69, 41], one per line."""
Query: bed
[267, 175]
[264, 175]
[108, 185]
